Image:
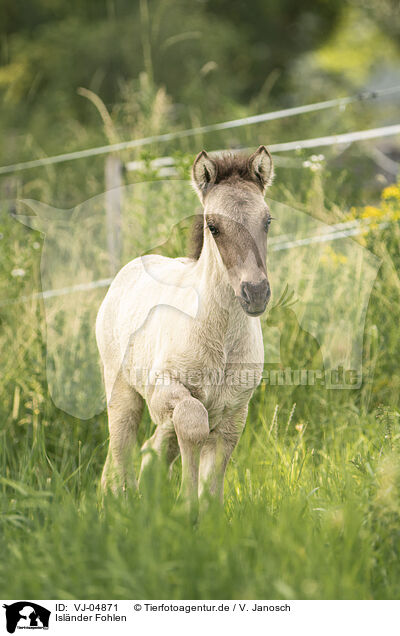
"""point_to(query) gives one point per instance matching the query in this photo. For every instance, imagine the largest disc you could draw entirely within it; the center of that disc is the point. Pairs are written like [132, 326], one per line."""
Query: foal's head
[231, 188]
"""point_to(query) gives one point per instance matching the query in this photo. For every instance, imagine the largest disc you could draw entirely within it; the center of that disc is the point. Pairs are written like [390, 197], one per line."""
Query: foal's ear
[261, 166]
[204, 173]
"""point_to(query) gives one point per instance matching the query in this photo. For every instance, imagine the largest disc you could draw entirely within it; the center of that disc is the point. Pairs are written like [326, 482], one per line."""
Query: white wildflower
[18, 271]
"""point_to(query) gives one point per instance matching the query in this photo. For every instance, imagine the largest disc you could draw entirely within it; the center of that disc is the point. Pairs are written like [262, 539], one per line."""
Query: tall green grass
[300, 520]
[312, 495]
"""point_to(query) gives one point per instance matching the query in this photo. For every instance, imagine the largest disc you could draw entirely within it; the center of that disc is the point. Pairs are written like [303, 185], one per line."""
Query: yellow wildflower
[330, 256]
[391, 192]
[371, 211]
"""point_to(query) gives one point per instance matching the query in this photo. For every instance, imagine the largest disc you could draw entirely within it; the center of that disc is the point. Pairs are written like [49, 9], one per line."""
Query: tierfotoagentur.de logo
[26, 615]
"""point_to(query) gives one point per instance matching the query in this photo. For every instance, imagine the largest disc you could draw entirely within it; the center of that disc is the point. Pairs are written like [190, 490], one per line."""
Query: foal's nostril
[245, 292]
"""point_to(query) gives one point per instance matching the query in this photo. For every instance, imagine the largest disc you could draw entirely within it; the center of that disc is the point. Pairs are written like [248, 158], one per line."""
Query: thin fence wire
[180, 134]
[331, 140]
[335, 232]
[164, 165]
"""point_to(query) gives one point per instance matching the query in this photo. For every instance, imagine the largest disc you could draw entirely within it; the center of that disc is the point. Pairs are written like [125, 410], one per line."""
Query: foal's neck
[219, 310]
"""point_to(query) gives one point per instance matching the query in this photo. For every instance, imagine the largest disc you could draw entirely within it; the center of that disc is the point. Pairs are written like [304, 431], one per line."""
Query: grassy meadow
[312, 505]
[312, 494]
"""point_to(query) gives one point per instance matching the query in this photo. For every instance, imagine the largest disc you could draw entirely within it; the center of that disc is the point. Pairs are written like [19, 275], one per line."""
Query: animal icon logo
[26, 615]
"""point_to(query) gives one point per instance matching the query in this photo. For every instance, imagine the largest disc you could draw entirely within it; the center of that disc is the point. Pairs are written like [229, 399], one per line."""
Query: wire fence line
[331, 140]
[62, 291]
[341, 102]
[165, 165]
[334, 232]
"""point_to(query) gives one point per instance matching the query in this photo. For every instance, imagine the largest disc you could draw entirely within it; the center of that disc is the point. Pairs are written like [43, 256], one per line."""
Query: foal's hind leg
[163, 443]
[125, 408]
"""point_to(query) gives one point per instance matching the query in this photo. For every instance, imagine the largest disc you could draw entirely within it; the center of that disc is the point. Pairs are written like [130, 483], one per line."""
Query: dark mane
[196, 236]
[231, 166]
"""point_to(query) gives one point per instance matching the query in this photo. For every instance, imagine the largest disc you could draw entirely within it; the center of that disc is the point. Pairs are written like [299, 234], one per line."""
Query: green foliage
[312, 494]
[213, 59]
[299, 521]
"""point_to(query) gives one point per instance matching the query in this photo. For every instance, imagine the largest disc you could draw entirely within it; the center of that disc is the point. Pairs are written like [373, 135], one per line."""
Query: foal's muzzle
[254, 297]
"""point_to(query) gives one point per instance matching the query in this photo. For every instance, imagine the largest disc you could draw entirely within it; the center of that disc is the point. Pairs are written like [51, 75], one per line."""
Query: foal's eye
[214, 230]
[267, 223]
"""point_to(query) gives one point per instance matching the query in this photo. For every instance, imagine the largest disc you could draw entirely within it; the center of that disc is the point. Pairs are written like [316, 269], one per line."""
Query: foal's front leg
[217, 451]
[189, 417]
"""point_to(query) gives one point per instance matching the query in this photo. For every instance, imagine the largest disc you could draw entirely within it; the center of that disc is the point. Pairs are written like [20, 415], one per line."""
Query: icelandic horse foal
[190, 318]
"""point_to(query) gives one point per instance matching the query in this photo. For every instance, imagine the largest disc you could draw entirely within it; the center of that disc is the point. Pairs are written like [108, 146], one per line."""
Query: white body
[166, 321]
[158, 322]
